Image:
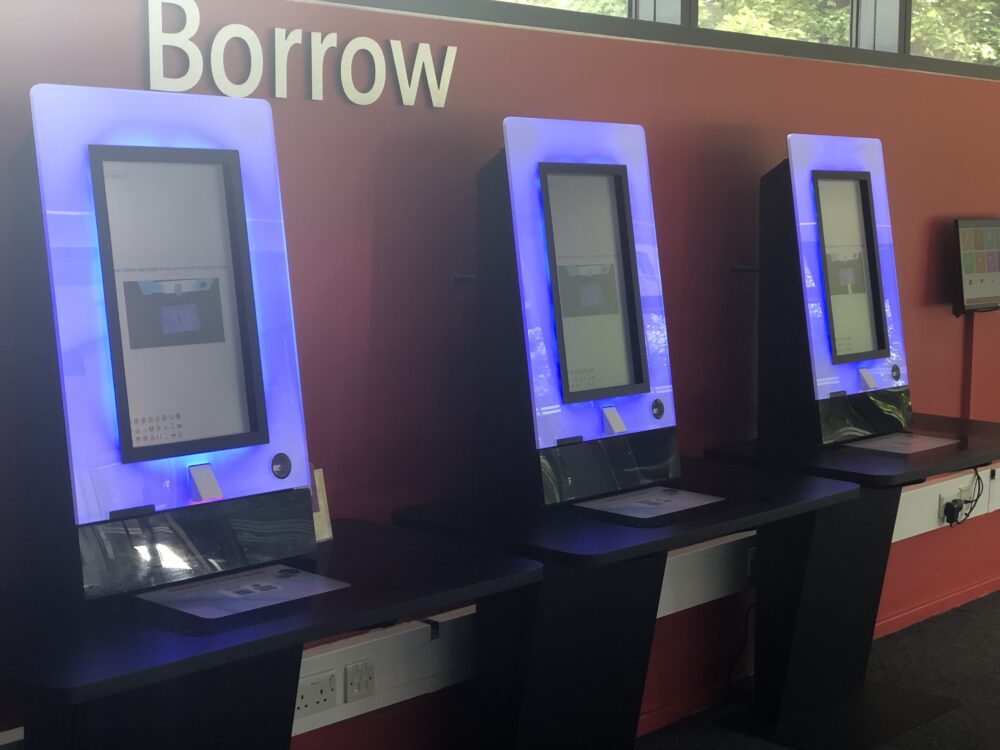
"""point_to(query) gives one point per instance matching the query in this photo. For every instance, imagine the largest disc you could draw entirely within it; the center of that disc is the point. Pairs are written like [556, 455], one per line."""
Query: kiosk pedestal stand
[821, 582]
[585, 649]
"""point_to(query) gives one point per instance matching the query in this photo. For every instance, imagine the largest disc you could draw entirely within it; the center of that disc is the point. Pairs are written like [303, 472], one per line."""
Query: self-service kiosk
[832, 356]
[181, 406]
[577, 394]
[172, 575]
[834, 402]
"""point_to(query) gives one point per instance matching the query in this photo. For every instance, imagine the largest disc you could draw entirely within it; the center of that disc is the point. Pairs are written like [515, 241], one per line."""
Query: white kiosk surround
[181, 405]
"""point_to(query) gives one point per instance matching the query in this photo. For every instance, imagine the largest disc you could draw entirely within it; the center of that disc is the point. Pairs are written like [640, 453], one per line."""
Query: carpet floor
[956, 655]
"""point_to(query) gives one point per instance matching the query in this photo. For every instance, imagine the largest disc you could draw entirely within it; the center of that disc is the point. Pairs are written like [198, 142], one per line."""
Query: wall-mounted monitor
[179, 297]
[979, 251]
[602, 346]
[851, 265]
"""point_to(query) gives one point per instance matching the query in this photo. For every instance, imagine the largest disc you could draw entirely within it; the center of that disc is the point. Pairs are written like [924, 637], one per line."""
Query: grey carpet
[956, 655]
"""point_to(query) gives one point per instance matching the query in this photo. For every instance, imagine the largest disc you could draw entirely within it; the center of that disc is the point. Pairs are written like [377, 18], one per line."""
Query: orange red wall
[379, 207]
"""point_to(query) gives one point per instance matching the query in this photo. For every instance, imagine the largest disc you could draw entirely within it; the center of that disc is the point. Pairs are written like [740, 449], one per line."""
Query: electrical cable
[979, 487]
[738, 659]
[978, 493]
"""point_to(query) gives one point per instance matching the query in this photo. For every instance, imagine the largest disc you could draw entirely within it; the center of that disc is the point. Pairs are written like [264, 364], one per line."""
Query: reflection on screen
[174, 277]
[851, 306]
[587, 238]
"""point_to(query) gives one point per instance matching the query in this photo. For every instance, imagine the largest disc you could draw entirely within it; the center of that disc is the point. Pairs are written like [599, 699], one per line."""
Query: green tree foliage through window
[601, 7]
[826, 21]
[967, 30]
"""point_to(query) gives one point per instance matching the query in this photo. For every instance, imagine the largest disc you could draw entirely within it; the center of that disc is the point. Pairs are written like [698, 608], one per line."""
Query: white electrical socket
[317, 692]
[359, 680]
[942, 500]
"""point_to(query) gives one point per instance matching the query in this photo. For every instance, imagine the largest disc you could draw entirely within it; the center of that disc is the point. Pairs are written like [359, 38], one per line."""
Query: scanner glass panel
[846, 261]
[586, 237]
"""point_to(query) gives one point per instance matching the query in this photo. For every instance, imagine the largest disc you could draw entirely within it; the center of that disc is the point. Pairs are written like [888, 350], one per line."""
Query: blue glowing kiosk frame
[117, 502]
[805, 390]
[538, 445]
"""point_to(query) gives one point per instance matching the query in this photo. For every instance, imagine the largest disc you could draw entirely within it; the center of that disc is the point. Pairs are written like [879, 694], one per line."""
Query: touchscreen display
[600, 334]
[173, 265]
[854, 307]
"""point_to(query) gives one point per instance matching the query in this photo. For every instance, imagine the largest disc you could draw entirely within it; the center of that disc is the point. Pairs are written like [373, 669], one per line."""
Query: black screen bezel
[246, 311]
[632, 303]
[875, 288]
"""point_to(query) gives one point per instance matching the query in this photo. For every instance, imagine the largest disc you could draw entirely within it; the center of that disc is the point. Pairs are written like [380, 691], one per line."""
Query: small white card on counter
[243, 592]
[905, 443]
[650, 502]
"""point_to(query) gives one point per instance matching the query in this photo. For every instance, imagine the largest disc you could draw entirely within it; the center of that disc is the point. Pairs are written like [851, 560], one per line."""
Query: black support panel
[587, 665]
[249, 704]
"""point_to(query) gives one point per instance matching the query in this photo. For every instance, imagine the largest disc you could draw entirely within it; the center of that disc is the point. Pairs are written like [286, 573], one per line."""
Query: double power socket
[319, 692]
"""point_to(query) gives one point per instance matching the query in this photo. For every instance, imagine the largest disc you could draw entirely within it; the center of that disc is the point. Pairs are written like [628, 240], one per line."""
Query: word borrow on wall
[412, 70]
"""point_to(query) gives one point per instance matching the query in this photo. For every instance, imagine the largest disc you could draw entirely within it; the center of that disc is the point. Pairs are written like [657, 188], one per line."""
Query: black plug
[953, 510]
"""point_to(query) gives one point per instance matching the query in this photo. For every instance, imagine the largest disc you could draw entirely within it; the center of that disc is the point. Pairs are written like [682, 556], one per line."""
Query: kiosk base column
[249, 704]
[819, 585]
[579, 678]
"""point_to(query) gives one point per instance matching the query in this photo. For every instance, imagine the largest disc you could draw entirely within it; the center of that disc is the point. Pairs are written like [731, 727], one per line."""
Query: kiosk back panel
[832, 358]
[572, 315]
[182, 410]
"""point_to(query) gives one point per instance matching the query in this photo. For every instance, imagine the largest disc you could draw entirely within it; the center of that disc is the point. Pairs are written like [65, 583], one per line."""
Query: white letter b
[158, 40]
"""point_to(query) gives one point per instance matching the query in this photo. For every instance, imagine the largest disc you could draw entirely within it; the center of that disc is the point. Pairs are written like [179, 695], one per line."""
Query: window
[956, 37]
[825, 21]
[601, 7]
[965, 30]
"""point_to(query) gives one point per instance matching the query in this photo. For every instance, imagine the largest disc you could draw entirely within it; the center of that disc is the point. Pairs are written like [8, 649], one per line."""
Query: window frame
[685, 31]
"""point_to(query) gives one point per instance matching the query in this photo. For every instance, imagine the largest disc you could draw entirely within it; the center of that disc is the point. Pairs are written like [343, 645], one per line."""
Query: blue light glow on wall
[528, 143]
[807, 154]
[67, 120]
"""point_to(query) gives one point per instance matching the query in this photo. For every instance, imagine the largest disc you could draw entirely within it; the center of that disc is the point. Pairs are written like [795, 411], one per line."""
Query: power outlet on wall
[359, 680]
[317, 692]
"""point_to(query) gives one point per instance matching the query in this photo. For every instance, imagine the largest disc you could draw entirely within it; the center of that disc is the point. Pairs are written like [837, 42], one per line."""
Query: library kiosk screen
[602, 345]
[851, 268]
[179, 299]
